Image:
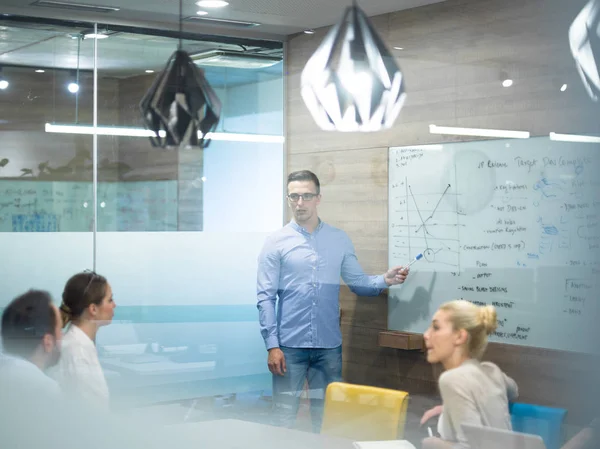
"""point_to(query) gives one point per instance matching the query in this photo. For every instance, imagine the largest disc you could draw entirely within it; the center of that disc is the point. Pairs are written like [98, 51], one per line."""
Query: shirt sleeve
[459, 408]
[512, 390]
[353, 274]
[267, 285]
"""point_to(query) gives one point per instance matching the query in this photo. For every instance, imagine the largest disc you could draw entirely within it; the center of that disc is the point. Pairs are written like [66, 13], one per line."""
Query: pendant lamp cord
[79, 39]
[180, 22]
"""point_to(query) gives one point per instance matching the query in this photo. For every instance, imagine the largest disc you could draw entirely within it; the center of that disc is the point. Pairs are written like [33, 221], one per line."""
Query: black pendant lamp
[180, 103]
[352, 81]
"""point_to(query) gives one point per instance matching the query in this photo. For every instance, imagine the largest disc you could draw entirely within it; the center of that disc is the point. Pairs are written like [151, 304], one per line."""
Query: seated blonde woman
[472, 392]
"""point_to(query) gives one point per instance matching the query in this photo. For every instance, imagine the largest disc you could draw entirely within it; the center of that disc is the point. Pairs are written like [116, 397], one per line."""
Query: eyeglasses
[92, 277]
[295, 197]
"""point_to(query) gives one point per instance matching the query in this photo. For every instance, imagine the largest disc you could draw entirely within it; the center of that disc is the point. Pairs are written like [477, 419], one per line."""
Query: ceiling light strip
[574, 138]
[225, 22]
[428, 147]
[140, 132]
[480, 132]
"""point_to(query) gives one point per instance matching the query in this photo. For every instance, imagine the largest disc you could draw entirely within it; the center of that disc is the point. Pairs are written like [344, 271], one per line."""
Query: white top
[19, 376]
[79, 372]
[475, 393]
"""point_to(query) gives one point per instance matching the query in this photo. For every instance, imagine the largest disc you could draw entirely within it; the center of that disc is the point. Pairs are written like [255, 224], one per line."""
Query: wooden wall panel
[453, 58]
[454, 53]
[34, 99]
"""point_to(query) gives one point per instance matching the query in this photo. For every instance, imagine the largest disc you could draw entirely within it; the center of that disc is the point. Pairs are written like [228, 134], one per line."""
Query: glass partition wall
[176, 232]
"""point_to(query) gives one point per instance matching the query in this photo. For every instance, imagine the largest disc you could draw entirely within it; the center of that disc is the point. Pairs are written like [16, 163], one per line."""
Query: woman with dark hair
[87, 304]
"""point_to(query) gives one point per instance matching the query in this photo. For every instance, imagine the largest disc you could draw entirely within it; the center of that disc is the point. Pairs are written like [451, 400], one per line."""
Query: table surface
[237, 434]
[160, 365]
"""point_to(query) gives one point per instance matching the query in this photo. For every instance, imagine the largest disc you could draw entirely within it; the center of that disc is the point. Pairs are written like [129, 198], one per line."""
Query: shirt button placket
[315, 281]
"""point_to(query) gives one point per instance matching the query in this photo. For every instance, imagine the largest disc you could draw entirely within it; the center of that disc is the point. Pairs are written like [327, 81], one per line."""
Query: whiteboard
[511, 223]
[64, 206]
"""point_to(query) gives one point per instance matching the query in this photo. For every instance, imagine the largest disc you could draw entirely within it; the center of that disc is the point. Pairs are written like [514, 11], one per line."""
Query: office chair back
[364, 413]
[539, 420]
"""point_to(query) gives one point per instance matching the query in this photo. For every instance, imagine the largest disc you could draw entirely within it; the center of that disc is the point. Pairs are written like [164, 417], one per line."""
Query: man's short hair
[25, 321]
[304, 175]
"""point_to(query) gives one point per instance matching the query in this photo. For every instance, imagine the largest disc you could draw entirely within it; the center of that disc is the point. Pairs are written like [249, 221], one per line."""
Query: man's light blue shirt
[303, 271]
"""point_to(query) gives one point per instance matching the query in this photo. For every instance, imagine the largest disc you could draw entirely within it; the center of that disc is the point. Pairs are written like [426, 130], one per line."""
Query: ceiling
[277, 18]
[48, 44]
[122, 55]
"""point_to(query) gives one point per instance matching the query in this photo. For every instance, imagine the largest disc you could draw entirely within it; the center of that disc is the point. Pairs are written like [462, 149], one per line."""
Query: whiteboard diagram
[423, 227]
[424, 218]
[511, 224]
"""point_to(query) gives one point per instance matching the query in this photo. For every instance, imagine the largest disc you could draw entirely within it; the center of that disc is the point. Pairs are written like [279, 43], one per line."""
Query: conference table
[237, 434]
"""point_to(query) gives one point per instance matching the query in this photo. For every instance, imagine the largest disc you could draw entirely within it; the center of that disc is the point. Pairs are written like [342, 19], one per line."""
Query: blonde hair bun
[488, 318]
[478, 321]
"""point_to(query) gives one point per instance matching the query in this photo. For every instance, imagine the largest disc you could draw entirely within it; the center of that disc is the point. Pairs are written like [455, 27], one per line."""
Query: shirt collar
[300, 229]
[80, 336]
[19, 361]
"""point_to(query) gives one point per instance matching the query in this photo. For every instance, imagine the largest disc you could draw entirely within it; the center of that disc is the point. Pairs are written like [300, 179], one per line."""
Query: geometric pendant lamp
[584, 39]
[180, 103]
[352, 81]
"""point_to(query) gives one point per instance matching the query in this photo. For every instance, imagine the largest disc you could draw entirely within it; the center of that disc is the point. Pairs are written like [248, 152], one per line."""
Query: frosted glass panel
[179, 231]
[186, 322]
[42, 260]
[243, 188]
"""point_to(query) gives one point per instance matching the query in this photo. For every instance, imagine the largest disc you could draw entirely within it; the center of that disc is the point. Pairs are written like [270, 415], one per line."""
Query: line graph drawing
[429, 227]
[434, 209]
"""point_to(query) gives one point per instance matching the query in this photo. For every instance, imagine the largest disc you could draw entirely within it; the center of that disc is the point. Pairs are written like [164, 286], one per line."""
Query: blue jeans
[320, 367]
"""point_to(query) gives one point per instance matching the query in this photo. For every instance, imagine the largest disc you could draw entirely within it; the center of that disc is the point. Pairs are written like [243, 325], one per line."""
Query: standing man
[301, 264]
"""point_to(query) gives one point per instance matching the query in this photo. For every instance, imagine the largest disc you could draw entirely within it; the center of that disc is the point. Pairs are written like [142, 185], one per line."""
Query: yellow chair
[364, 413]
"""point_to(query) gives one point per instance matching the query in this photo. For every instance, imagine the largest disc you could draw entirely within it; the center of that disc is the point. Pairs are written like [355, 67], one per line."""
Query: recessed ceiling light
[39, 71]
[3, 84]
[212, 3]
[149, 71]
[507, 83]
[202, 13]
[309, 31]
[563, 87]
[398, 48]
[73, 88]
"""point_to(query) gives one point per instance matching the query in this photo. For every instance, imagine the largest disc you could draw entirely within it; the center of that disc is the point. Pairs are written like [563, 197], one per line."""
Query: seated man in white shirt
[31, 335]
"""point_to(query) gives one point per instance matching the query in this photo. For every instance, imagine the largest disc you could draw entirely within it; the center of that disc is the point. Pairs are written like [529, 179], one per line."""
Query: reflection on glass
[585, 46]
[46, 212]
[182, 328]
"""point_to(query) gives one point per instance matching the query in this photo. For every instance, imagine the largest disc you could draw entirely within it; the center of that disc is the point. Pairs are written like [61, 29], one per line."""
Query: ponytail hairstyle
[478, 321]
[81, 290]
